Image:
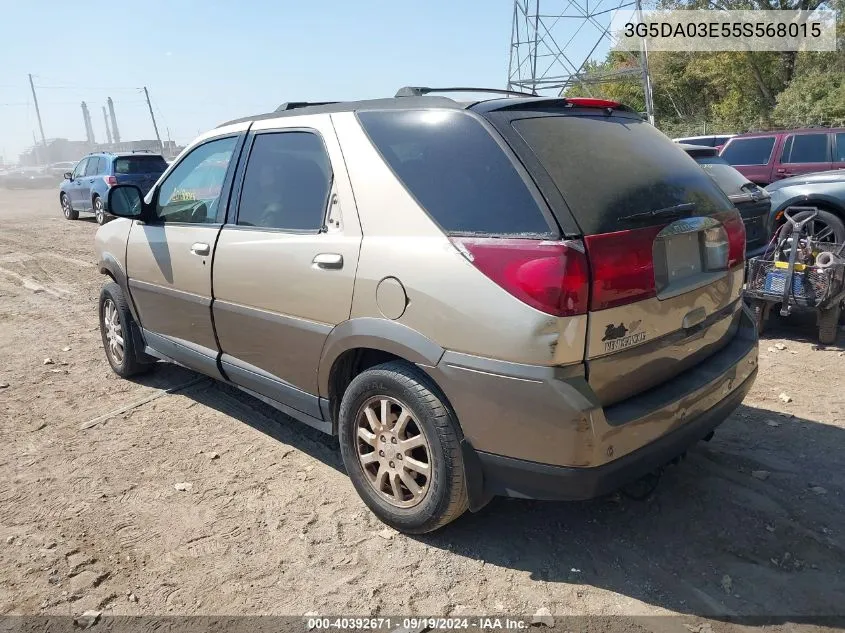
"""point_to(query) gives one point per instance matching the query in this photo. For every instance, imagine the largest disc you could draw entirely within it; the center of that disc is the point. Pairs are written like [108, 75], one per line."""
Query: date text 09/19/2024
[415, 623]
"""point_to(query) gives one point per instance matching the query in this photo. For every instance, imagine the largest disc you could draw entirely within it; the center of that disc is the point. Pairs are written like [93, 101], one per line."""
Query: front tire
[116, 326]
[99, 210]
[67, 208]
[401, 447]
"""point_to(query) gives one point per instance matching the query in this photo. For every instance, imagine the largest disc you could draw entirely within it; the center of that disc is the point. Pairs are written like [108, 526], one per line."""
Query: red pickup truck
[764, 157]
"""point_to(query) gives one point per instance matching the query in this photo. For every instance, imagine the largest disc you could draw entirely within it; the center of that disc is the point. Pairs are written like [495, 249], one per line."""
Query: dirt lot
[752, 522]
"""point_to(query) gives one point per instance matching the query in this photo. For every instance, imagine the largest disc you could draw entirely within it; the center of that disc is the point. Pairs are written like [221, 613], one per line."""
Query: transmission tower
[550, 49]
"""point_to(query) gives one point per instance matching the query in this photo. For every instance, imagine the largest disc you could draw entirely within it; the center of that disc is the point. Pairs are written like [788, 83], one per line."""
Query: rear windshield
[139, 165]
[456, 171]
[749, 151]
[729, 179]
[611, 167]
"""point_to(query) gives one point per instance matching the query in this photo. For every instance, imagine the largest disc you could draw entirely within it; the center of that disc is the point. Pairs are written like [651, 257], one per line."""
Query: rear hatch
[752, 201]
[663, 244]
[139, 170]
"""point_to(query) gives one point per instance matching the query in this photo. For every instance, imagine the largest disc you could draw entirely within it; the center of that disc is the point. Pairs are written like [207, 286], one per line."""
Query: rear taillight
[622, 267]
[552, 277]
[111, 181]
[735, 228]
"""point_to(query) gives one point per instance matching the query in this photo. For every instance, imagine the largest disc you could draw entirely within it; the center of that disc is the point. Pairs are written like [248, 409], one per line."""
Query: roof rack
[145, 151]
[419, 91]
[293, 105]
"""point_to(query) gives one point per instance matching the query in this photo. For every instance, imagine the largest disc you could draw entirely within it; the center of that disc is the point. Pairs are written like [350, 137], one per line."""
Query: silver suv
[523, 296]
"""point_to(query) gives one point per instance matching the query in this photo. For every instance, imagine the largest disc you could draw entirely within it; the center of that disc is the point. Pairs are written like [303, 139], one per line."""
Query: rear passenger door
[284, 266]
[802, 154]
[752, 157]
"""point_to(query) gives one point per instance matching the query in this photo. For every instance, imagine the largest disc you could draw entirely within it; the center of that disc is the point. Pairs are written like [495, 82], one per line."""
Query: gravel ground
[91, 516]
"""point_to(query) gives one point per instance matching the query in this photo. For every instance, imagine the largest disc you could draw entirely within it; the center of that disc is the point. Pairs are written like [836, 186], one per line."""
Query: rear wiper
[677, 210]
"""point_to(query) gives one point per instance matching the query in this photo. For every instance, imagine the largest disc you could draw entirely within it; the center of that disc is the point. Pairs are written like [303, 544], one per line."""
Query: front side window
[806, 148]
[287, 182]
[80, 168]
[840, 148]
[93, 166]
[749, 151]
[191, 193]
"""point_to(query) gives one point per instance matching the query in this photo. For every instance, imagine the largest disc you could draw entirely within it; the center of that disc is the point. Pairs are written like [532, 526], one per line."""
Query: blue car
[86, 188]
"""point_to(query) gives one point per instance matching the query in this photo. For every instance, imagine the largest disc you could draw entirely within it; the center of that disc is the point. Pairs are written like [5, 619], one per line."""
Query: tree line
[729, 92]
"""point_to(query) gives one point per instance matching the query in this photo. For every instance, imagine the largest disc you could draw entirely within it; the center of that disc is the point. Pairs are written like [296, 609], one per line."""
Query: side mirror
[125, 201]
[68, 175]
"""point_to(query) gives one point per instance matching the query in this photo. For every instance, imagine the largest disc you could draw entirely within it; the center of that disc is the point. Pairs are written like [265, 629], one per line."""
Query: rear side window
[139, 165]
[287, 182]
[749, 151]
[610, 168]
[806, 148]
[456, 171]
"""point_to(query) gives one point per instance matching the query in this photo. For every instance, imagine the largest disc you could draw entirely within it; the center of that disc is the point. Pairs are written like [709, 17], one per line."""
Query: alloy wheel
[393, 451]
[113, 331]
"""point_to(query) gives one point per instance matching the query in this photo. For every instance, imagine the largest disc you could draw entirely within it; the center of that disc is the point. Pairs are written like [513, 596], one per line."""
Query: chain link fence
[676, 129]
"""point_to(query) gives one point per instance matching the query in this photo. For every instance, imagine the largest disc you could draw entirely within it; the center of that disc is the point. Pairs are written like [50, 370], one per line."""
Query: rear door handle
[328, 261]
[201, 249]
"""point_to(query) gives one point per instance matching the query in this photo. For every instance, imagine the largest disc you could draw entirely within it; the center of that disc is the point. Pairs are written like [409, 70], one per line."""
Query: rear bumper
[520, 478]
[540, 432]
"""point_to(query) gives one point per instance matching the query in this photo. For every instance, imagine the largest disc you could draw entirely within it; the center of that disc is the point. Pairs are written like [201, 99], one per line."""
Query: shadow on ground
[718, 538]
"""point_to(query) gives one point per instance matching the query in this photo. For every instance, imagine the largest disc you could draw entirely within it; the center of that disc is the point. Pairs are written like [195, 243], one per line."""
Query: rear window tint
[729, 179]
[139, 165]
[456, 171]
[749, 151]
[607, 168]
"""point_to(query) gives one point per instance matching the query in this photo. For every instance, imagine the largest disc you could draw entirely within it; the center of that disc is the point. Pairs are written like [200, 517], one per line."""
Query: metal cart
[799, 271]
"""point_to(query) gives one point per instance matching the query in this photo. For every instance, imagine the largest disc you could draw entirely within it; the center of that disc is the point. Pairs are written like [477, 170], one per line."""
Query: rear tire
[415, 503]
[99, 210]
[761, 315]
[829, 324]
[116, 330]
[67, 208]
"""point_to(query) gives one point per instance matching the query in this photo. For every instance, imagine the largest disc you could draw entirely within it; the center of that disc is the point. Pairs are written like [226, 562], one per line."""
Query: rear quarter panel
[448, 300]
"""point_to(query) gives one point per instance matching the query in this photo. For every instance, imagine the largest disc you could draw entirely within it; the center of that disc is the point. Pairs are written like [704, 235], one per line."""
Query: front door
[86, 182]
[74, 190]
[168, 258]
[284, 267]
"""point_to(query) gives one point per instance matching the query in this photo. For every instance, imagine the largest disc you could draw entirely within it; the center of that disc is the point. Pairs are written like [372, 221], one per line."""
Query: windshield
[139, 165]
[607, 168]
[729, 179]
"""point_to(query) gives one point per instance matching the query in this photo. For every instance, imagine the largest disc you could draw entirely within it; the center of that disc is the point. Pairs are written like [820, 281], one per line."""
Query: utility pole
[647, 93]
[37, 112]
[152, 116]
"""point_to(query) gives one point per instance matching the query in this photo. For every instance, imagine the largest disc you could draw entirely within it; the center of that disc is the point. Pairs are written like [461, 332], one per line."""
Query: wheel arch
[359, 344]
[110, 267]
[822, 201]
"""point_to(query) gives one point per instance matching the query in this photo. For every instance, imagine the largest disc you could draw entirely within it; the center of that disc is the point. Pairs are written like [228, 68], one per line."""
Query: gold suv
[523, 296]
